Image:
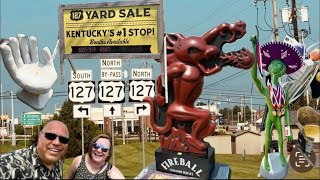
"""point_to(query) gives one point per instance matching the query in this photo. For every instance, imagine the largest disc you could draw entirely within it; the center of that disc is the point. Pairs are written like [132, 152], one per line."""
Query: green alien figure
[277, 59]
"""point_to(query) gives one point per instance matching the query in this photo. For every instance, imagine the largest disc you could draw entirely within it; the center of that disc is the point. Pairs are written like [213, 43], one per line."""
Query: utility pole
[241, 108]
[232, 115]
[276, 38]
[295, 33]
[244, 108]
[296, 36]
[275, 21]
[294, 20]
[228, 108]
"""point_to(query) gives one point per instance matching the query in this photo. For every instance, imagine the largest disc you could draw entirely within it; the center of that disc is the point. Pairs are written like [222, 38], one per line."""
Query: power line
[214, 13]
[226, 78]
[237, 13]
[232, 102]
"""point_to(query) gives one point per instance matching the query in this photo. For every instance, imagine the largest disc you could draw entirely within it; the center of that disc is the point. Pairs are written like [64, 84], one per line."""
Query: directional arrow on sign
[81, 109]
[139, 108]
[112, 110]
[142, 109]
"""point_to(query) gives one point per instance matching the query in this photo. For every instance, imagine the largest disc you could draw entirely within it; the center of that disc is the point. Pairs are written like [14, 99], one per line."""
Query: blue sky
[189, 17]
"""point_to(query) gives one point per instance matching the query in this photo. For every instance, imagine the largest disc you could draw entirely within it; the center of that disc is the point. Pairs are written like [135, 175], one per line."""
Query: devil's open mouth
[240, 59]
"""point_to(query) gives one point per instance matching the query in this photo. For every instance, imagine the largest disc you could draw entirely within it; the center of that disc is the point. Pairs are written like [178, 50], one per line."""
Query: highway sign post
[111, 63]
[112, 110]
[139, 89]
[82, 92]
[31, 119]
[81, 75]
[81, 89]
[111, 92]
[111, 74]
[141, 73]
[141, 109]
[81, 111]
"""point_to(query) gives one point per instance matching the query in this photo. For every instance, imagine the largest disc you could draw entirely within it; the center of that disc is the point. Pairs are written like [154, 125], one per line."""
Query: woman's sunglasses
[97, 146]
[51, 137]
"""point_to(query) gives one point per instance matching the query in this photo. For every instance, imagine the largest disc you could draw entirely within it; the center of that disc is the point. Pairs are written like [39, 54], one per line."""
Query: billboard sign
[111, 29]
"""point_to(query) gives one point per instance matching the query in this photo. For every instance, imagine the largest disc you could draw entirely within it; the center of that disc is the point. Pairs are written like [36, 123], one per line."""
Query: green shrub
[19, 130]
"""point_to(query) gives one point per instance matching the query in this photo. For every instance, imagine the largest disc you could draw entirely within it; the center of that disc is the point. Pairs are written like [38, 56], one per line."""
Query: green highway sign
[31, 119]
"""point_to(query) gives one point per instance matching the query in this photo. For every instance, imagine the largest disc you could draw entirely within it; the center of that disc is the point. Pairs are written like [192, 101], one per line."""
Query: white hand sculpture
[35, 78]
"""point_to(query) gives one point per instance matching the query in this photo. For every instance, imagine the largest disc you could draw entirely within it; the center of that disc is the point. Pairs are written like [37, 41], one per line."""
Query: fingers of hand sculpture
[47, 56]
[15, 49]
[8, 60]
[160, 100]
[33, 49]
[24, 48]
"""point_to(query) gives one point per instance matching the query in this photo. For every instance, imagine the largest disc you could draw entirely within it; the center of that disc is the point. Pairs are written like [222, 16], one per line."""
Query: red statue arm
[159, 96]
[174, 70]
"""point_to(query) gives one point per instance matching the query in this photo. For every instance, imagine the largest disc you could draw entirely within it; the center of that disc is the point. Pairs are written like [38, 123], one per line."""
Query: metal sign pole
[123, 130]
[165, 83]
[25, 136]
[82, 136]
[2, 130]
[112, 135]
[143, 148]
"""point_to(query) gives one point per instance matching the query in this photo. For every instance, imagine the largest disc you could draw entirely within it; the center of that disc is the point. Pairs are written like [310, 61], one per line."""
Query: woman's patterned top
[82, 171]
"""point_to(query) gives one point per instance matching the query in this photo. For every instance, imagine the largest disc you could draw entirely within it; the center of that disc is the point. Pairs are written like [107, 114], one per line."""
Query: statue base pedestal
[185, 164]
[176, 165]
[277, 171]
[221, 171]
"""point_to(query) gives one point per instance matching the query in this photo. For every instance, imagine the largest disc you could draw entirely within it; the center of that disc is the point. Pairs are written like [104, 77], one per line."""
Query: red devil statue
[182, 126]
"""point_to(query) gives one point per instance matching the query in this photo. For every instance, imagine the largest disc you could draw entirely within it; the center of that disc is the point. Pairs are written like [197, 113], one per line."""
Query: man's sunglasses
[51, 137]
[97, 146]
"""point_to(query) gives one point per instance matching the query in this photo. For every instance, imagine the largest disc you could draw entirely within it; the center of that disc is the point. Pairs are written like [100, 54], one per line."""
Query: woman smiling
[95, 164]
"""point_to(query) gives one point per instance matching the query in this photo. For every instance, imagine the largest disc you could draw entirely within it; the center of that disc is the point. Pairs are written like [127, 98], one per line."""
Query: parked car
[221, 120]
